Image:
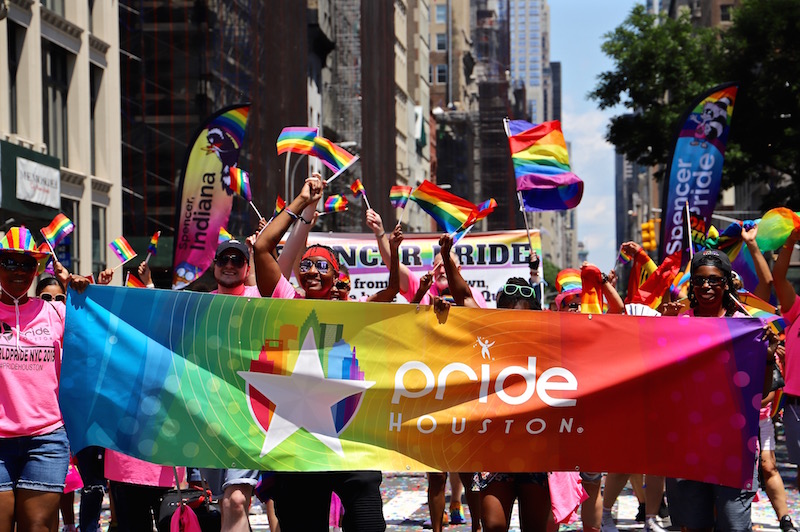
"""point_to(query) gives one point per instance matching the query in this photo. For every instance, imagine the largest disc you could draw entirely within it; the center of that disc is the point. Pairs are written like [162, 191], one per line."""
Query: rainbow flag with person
[541, 168]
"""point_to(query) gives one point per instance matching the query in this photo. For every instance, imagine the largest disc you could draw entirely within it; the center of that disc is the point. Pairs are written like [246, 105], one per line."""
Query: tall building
[60, 124]
[530, 54]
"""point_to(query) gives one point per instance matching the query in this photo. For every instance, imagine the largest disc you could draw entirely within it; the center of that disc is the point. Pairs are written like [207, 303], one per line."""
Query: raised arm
[459, 288]
[297, 241]
[783, 288]
[765, 280]
[375, 223]
[268, 271]
[388, 294]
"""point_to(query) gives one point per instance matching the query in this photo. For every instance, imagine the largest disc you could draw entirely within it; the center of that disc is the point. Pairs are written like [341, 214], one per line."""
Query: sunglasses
[11, 264]
[712, 280]
[342, 285]
[513, 289]
[50, 297]
[237, 260]
[321, 265]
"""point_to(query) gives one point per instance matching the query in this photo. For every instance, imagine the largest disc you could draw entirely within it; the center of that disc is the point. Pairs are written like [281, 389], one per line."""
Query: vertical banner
[205, 202]
[696, 166]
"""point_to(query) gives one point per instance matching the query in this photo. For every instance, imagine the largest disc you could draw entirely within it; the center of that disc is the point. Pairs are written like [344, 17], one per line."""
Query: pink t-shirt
[413, 286]
[123, 468]
[285, 290]
[247, 291]
[29, 378]
[792, 370]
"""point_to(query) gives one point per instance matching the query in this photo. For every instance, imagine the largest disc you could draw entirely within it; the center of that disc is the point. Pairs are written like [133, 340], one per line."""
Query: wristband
[604, 278]
[381, 235]
[295, 216]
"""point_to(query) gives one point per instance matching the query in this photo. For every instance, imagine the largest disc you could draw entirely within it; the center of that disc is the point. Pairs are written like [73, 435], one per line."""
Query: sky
[576, 33]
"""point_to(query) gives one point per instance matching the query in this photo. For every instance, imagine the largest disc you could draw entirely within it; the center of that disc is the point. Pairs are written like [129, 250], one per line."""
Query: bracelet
[604, 278]
[295, 216]
[381, 235]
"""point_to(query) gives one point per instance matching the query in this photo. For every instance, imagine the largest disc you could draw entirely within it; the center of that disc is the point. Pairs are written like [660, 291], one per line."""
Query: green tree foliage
[661, 65]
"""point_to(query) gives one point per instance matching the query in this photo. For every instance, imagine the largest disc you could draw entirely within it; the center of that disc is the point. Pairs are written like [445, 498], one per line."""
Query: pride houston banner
[695, 170]
[293, 385]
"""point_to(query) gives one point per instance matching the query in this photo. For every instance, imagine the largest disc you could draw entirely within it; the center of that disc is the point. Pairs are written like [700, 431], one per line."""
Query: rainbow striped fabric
[357, 188]
[335, 203]
[297, 140]
[58, 229]
[132, 281]
[332, 156]
[541, 167]
[122, 249]
[623, 257]
[240, 183]
[449, 211]
[280, 204]
[568, 279]
[481, 211]
[775, 227]
[224, 236]
[758, 308]
[152, 248]
[398, 195]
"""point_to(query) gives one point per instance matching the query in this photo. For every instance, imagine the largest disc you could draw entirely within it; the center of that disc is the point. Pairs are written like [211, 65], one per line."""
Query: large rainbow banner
[292, 385]
[487, 259]
[206, 197]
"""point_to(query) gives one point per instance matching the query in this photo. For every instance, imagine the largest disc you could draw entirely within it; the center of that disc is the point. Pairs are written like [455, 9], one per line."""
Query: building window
[98, 239]
[67, 250]
[441, 42]
[441, 14]
[54, 105]
[441, 74]
[16, 37]
[430, 74]
[95, 78]
[56, 6]
[725, 13]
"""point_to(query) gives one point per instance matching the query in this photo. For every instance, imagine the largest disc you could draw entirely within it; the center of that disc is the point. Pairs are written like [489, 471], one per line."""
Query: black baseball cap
[233, 244]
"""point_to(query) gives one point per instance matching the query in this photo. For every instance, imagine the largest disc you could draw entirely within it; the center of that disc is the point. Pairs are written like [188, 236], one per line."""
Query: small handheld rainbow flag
[297, 140]
[131, 281]
[482, 211]
[57, 230]
[240, 183]
[335, 203]
[152, 248]
[399, 195]
[224, 236]
[447, 209]
[122, 250]
[358, 189]
[336, 158]
[280, 204]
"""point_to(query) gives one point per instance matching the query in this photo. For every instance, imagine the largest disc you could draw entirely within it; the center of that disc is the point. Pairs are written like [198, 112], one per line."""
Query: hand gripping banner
[292, 385]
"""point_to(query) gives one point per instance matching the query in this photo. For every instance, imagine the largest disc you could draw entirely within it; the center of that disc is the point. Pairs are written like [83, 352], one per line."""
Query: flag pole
[115, 268]
[689, 229]
[519, 194]
[323, 213]
[364, 195]
[340, 172]
[255, 209]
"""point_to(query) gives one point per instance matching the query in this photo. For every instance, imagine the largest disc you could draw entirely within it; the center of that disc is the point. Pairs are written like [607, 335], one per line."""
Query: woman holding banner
[303, 499]
[34, 451]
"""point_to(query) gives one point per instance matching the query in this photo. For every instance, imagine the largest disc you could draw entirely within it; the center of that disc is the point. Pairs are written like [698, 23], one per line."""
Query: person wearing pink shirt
[34, 451]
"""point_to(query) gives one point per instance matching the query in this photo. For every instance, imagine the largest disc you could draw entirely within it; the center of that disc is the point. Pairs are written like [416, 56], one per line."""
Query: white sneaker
[608, 524]
[651, 525]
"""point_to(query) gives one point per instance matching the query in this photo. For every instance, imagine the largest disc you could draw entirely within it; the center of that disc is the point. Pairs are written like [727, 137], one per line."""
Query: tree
[662, 64]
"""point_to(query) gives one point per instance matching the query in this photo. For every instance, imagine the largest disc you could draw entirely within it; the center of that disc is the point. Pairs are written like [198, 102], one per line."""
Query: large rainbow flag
[297, 140]
[542, 171]
[187, 378]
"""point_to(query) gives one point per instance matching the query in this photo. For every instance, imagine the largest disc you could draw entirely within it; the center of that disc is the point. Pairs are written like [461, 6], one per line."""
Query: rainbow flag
[297, 140]
[122, 249]
[447, 209]
[240, 183]
[591, 290]
[357, 188]
[335, 203]
[777, 405]
[623, 257]
[481, 211]
[280, 204]
[132, 281]
[152, 248]
[568, 279]
[758, 308]
[398, 195]
[775, 227]
[57, 230]
[224, 236]
[541, 167]
[336, 158]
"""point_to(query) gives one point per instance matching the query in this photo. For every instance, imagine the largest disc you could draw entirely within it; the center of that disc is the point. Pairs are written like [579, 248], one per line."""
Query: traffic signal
[649, 235]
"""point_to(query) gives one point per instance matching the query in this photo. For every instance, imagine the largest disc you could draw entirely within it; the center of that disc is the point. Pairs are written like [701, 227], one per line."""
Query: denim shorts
[37, 463]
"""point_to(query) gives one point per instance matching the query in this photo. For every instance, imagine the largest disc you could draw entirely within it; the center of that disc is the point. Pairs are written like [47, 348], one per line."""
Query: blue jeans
[90, 464]
[37, 463]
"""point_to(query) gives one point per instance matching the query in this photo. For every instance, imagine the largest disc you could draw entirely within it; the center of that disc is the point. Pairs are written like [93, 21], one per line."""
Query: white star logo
[304, 399]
